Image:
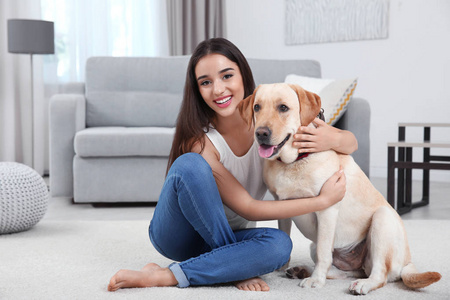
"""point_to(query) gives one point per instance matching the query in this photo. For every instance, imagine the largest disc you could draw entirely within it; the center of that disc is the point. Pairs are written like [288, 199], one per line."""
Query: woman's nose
[219, 87]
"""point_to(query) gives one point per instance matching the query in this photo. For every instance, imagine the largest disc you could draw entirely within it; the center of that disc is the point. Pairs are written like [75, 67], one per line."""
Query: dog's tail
[415, 280]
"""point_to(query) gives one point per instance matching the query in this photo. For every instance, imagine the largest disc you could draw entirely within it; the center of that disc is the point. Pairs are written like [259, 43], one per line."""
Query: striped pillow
[334, 93]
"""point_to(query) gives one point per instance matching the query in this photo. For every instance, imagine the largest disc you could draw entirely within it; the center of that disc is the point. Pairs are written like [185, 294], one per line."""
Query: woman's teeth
[223, 100]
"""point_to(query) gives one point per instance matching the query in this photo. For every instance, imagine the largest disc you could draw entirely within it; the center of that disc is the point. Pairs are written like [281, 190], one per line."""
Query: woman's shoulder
[205, 148]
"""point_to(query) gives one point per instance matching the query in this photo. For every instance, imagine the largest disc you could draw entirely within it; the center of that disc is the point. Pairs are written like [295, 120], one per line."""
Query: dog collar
[300, 156]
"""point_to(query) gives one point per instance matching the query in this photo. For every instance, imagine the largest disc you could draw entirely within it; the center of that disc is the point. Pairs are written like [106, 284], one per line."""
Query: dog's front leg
[327, 220]
[285, 225]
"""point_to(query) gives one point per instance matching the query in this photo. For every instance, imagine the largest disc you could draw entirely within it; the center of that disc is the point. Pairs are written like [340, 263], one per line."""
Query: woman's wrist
[337, 141]
[345, 142]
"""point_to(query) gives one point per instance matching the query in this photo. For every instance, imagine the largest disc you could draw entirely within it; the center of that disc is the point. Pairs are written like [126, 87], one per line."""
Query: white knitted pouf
[23, 197]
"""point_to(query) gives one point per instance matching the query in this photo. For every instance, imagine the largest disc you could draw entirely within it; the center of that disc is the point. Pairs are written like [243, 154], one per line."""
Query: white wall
[405, 77]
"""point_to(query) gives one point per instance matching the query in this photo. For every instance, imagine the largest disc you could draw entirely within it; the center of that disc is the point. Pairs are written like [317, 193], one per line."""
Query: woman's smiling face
[220, 83]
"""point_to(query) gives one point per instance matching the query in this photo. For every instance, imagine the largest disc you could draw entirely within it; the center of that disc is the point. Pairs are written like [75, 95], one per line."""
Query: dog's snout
[263, 135]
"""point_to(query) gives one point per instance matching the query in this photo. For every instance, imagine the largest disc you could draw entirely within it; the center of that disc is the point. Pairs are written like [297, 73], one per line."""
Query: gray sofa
[110, 137]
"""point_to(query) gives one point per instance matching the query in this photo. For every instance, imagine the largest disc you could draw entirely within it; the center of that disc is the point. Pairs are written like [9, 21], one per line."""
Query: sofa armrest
[67, 115]
[357, 120]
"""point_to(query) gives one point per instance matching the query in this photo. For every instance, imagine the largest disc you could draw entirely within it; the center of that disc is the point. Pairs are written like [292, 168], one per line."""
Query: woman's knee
[281, 246]
[192, 165]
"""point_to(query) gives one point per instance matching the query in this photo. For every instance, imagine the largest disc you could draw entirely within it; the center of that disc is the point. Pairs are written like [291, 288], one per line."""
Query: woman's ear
[310, 104]
[246, 108]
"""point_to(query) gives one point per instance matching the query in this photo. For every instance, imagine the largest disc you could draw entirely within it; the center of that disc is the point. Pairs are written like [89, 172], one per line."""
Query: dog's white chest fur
[303, 178]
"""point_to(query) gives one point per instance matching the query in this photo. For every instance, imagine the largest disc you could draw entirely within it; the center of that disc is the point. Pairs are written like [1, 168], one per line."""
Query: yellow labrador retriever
[362, 233]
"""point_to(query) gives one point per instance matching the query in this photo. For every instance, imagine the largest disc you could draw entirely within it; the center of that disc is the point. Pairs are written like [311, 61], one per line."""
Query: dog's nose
[263, 135]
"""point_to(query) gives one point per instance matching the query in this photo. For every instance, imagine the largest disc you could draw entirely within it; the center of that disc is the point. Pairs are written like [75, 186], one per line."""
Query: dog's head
[278, 110]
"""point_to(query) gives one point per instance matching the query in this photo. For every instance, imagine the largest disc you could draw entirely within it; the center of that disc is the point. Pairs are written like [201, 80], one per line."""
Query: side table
[405, 164]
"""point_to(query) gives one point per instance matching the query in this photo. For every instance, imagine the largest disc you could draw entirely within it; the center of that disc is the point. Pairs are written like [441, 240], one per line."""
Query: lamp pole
[31, 37]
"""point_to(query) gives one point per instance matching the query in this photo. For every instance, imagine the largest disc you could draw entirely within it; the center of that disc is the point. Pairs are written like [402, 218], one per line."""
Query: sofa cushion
[123, 141]
[124, 91]
[146, 109]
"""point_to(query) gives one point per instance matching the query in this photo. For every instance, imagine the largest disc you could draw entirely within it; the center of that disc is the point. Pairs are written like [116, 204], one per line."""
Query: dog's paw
[361, 286]
[312, 282]
[298, 272]
[284, 267]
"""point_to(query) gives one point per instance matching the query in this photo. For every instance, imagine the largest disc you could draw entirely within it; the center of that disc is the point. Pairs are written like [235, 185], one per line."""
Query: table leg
[426, 173]
[401, 172]
[408, 181]
[391, 177]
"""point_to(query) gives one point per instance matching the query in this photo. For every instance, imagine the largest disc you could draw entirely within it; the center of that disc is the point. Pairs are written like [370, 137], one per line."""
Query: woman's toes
[253, 284]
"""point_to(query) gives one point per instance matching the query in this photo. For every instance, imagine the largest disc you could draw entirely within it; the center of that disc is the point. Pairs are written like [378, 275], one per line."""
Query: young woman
[214, 184]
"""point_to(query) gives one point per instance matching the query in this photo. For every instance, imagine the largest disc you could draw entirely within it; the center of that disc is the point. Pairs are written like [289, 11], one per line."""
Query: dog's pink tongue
[266, 150]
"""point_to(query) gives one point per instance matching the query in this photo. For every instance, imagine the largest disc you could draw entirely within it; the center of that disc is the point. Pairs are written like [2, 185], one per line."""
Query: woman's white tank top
[247, 169]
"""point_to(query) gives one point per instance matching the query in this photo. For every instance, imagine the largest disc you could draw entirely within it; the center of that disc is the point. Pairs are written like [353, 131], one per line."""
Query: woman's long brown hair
[195, 115]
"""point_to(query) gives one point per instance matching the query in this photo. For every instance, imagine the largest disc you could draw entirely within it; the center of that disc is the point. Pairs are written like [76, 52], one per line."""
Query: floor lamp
[31, 37]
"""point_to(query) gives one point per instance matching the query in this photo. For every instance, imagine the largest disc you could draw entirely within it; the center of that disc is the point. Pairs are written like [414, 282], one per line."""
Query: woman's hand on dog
[324, 137]
[333, 190]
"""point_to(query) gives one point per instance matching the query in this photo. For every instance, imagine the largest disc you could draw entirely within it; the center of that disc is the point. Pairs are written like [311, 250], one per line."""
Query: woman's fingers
[305, 130]
[318, 122]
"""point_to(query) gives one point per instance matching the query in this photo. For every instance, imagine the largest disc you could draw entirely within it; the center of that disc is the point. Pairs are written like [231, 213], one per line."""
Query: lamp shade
[31, 36]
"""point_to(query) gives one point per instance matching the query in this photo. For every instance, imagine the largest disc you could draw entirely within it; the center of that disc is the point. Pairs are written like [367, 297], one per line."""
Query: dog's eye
[256, 108]
[283, 108]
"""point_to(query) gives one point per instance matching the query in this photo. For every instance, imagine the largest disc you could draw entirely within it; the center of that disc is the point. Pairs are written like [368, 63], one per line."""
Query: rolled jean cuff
[179, 275]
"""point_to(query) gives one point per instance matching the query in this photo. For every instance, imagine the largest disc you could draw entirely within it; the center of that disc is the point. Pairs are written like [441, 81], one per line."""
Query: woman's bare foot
[149, 276]
[252, 284]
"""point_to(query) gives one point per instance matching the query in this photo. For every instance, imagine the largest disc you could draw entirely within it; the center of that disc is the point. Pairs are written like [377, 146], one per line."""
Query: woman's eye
[283, 108]
[206, 82]
[256, 108]
[227, 76]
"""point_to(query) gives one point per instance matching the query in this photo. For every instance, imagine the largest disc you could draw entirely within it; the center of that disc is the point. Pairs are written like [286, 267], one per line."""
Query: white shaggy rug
[75, 260]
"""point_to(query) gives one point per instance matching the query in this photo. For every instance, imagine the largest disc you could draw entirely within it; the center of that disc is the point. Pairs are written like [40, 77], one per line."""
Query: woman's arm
[324, 137]
[332, 192]
[239, 200]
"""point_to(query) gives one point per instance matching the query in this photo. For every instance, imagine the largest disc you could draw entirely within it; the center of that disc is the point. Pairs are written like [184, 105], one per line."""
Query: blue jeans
[189, 225]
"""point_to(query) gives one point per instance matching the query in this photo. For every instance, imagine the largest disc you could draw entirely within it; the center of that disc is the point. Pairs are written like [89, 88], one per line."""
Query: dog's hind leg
[387, 247]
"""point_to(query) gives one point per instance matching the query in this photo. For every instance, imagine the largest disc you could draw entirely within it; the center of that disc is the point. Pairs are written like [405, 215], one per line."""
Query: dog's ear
[246, 108]
[310, 104]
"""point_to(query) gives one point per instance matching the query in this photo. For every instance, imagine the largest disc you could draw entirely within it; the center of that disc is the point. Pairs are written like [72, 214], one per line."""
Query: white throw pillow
[334, 93]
